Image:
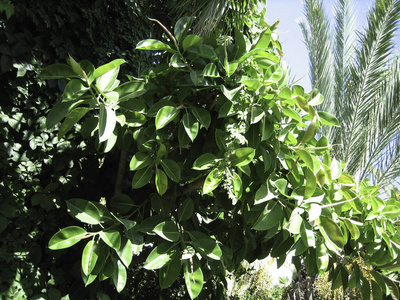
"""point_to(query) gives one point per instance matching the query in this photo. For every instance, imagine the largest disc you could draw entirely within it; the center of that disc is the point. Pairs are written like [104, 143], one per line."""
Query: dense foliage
[225, 167]
[37, 168]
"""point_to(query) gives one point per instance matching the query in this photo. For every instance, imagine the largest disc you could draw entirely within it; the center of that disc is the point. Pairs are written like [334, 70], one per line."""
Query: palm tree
[358, 74]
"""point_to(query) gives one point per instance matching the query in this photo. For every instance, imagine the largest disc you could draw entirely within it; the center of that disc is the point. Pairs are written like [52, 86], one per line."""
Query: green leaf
[193, 278]
[121, 204]
[83, 210]
[108, 80]
[59, 111]
[322, 258]
[295, 222]
[202, 115]
[263, 194]
[142, 177]
[186, 210]
[263, 40]
[305, 156]
[202, 50]
[230, 94]
[130, 90]
[72, 118]
[161, 182]
[211, 70]
[119, 276]
[73, 90]
[393, 288]
[154, 45]
[391, 211]
[281, 185]
[74, 65]
[336, 169]
[181, 27]
[353, 228]
[112, 238]
[213, 180]
[139, 161]
[237, 185]
[328, 119]
[208, 247]
[170, 272]
[168, 231]
[331, 231]
[205, 161]
[172, 169]
[57, 71]
[311, 184]
[190, 125]
[273, 74]
[256, 114]
[165, 115]
[190, 41]
[67, 237]
[160, 256]
[287, 111]
[107, 67]
[270, 217]
[89, 257]
[125, 251]
[107, 122]
[177, 62]
[242, 156]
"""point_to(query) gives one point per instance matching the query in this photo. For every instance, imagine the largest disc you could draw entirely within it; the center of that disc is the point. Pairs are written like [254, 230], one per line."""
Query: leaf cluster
[225, 165]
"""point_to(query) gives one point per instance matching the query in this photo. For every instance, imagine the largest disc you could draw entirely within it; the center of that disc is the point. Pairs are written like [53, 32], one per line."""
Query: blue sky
[290, 36]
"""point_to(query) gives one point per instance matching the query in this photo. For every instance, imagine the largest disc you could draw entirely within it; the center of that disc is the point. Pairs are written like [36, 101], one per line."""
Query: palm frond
[318, 42]
[366, 75]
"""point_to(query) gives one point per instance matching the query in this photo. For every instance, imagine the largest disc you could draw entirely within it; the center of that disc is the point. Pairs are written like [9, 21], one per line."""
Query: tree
[224, 168]
[358, 76]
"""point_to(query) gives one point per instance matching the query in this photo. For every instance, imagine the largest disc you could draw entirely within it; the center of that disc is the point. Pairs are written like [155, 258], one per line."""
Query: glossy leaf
[125, 251]
[193, 278]
[160, 256]
[190, 41]
[57, 71]
[270, 217]
[67, 237]
[213, 180]
[205, 161]
[191, 126]
[172, 169]
[170, 272]
[242, 156]
[161, 182]
[139, 161]
[73, 90]
[142, 177]
[328, 119]
[181, 27]
[208, 247]
[72, 118]
[155, 45]
[168, 231]
[59, 111]
[119, 276]
[165, 115]
[332, 231]
[84, 211]
[107, 122]
[112, 238]
[263, 194]
[89, 257]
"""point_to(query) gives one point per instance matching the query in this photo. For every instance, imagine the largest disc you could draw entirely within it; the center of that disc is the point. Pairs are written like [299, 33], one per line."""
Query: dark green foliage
[37, 169]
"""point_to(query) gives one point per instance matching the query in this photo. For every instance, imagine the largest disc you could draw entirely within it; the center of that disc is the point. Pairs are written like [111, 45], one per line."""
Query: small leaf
[190, 41]
[270, 217]
[242, 156]
[72, 118]
[108, 67]
[211, 70]
[142, 177]
[57, 71]
[84, 211]
[181, 27]
[328, 119]
[139, 161]
[213, 180]
[170, 272]
[160, 256]
[89, 257]
[107, 122]
[168, 231]
[66, 237]
[208, 247]
[186, 210]
[193, 278]
[205, 161]
[155, 45]
[112, 238]
[165, 115]
[202, 115]
[237, 185]
[191, 126]
[172, 169]
[73, 90]
[161, 182]
[119, 275]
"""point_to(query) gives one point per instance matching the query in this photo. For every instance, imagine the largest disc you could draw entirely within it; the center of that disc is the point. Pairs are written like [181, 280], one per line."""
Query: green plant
[225, 168]
[358, 73]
